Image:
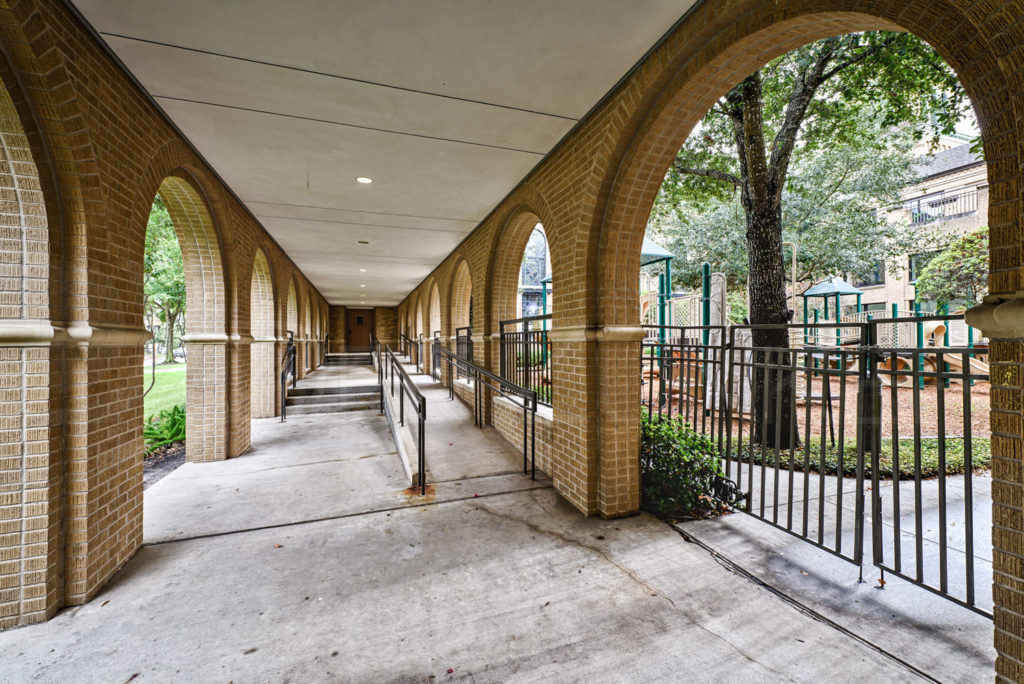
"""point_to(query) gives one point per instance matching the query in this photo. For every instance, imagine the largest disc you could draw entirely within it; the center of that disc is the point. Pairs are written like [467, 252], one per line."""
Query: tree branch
[708, 173]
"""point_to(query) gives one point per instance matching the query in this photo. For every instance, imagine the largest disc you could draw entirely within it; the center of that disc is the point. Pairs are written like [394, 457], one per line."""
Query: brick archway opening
[461, 297]
[700, 74]
[262, 317]
[205, 333]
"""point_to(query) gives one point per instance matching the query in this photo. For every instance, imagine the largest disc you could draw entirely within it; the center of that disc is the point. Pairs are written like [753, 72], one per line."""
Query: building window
[875, 277]
[877, 306]
[918, 263]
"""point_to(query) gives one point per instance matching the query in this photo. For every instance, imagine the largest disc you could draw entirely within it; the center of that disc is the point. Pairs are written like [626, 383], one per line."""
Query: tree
[959, 274]
[163, 275]
[830, 210]
[807, 100]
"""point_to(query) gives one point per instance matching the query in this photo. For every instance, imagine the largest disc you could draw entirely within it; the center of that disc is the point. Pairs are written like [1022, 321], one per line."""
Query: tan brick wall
[337, 329]
[507, 419]
[83, 155]
[386, 324]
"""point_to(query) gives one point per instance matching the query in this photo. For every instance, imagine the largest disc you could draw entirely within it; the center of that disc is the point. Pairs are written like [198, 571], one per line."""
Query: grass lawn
[168, 390]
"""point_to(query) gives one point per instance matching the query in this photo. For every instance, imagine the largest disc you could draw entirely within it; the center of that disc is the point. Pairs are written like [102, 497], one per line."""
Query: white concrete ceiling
[445, 104]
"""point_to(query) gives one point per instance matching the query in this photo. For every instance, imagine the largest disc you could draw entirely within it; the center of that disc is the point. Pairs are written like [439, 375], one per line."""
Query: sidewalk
[309, 559]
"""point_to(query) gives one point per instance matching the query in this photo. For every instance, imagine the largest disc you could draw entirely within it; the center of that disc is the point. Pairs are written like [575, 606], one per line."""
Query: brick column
[206, 396]
[31, 472]
[239, 391]
[263, 378]
[1001, 319]
[103, 414]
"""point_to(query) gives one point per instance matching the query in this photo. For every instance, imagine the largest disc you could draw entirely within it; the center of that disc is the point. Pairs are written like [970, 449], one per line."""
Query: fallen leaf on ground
[277, 546]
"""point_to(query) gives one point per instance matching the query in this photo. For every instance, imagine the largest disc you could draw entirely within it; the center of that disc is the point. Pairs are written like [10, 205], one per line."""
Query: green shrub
[165, 428]
[533, 358]
[681, 475]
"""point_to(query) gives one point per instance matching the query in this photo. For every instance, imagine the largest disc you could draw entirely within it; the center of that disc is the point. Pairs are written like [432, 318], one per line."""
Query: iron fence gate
[842, 440]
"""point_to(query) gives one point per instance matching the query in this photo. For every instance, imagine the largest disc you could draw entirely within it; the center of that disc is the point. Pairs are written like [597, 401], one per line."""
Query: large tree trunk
[772, 387]
[169, 347]
[761, 195]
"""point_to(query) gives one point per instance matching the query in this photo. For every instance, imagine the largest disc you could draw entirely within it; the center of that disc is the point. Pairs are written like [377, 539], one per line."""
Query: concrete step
[348, 362]
[349, 389]
[316, 399]
[335, 407]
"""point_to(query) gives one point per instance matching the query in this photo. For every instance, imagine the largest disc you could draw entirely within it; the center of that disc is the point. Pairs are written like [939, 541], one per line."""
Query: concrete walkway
[308, 560]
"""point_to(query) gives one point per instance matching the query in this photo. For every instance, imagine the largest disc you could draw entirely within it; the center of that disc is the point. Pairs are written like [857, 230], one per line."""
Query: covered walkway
[309, 559]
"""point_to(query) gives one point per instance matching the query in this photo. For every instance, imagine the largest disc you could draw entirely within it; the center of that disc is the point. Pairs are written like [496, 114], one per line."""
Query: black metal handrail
[287, 366]
[387, 366]
[525, 354]
[485, 379]
[405, 345]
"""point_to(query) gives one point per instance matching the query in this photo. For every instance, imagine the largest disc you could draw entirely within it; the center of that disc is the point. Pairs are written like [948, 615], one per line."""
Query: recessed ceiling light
[362, 285]
[364, 242]
[364, 180]
[362, 270]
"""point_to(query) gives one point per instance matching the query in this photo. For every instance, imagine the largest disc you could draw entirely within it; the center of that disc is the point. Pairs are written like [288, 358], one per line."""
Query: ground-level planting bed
[809, 457]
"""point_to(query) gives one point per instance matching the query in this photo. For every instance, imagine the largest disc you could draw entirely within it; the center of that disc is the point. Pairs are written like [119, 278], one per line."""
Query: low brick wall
[507, 418]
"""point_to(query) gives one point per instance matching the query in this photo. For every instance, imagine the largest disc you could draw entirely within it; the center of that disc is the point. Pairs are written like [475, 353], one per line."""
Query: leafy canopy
[959, 274]
[839, 118]
[163, 269]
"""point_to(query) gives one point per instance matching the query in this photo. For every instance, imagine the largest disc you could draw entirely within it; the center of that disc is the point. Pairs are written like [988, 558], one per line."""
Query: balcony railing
[941, 206]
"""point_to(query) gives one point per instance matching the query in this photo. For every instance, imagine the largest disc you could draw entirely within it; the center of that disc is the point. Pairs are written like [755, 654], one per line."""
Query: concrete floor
[308, 560]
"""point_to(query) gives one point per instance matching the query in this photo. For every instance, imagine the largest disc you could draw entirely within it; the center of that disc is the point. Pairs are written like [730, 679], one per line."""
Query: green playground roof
[651, 253]
[831, 288]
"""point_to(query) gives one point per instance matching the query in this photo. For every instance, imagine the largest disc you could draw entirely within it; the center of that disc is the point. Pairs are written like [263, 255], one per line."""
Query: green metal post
[816, 334]
[826, 306]
[858, 304]
[945, 343]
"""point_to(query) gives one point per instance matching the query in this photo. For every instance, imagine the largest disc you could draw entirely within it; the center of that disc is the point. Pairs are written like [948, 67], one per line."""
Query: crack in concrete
[632, 575]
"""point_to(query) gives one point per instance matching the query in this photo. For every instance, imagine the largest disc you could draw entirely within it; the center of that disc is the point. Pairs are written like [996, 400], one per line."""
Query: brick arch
[262, 319]
[680, 98]
[508, 259]
[460, 292]
[734, 40]
[418, 317]
[205, 283]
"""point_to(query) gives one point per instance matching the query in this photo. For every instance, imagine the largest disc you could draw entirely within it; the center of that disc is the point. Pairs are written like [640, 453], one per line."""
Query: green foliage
[679, 469]
[981, 457]
[830, 165]
[533, 358]
[959, 274]
[163, 272]
[165, 428]
[736, 303]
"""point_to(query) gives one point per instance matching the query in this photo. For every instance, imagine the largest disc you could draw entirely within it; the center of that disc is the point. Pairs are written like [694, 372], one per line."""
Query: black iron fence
[288, 370]
[390, 370]
[484, 383]
[840, 443]
[525, 355]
